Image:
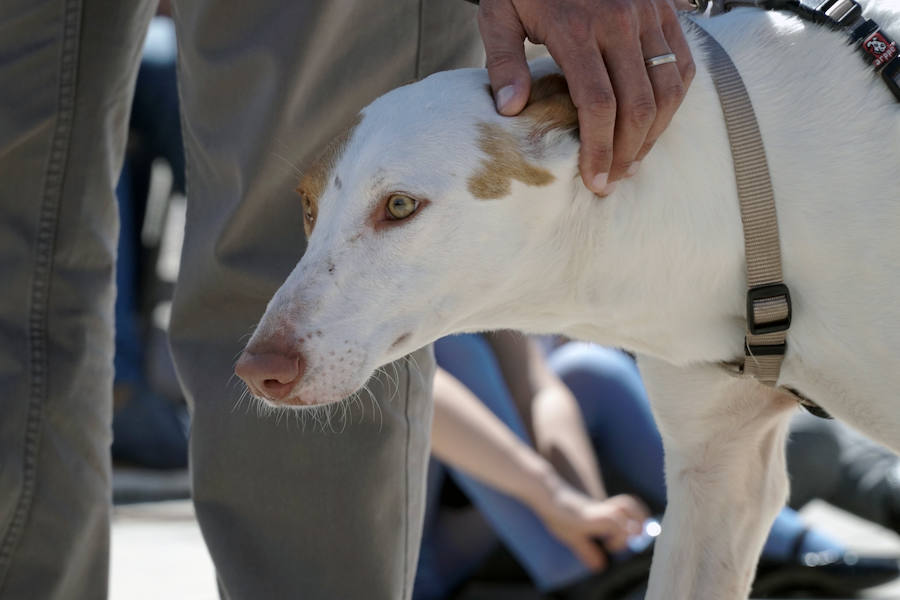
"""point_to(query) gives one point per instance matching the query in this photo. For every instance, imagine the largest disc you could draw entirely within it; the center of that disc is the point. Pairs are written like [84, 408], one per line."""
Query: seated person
[529, 460]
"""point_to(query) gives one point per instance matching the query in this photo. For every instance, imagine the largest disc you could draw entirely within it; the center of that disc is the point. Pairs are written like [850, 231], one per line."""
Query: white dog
[436, 215]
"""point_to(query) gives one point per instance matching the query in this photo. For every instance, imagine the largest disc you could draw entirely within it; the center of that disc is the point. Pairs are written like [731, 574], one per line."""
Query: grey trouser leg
[67, 71]
[333, 511]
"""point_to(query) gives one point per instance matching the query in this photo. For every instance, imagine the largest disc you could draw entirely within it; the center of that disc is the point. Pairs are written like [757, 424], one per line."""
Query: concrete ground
[158, 552]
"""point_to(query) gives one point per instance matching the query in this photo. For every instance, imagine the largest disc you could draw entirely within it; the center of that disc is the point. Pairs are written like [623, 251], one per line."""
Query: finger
[504, 46]
[631, 506]
[635, 104]
[589, 553]
[611, 526]
[674, 34]
[617, 533]
[668, 93]
[593, 97]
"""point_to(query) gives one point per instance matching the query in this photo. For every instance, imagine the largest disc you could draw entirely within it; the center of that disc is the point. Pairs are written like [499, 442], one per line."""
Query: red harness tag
[879, 48]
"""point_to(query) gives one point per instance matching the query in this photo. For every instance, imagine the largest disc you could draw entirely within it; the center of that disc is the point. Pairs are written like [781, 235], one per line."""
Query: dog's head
[414, 218]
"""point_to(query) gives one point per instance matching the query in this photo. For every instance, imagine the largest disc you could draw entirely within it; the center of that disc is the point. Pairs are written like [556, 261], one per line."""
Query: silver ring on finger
[662, 59]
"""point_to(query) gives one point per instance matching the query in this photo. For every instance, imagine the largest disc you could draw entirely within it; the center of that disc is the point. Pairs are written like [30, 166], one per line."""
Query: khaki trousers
[320, 511]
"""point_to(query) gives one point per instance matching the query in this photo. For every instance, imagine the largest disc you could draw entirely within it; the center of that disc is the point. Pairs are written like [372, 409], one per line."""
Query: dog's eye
[308, 214]
[400, 206]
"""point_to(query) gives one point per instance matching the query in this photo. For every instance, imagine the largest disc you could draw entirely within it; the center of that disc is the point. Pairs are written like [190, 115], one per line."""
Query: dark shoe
[828, 573]
[625, 577]
[616, 582]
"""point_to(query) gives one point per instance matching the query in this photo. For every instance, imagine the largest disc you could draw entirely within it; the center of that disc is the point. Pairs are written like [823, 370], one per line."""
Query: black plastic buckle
[764, 349]
[765, 292]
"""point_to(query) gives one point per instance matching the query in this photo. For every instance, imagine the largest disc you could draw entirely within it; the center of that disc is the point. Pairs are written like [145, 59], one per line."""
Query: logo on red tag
[879, 48]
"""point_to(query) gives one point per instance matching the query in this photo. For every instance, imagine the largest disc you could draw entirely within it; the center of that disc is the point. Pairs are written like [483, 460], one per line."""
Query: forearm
[520, 370]
[551, 412]
[561, 437]
[469, 437]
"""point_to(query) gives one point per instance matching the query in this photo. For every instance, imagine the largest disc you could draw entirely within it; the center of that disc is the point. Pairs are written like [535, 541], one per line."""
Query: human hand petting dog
[603, 47]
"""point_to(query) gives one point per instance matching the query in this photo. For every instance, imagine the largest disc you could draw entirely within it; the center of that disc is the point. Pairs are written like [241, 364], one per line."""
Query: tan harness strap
[768, 299]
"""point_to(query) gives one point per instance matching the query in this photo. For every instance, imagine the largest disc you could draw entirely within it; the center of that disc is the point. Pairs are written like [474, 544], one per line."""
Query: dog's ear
[550, 106]
[515, 152]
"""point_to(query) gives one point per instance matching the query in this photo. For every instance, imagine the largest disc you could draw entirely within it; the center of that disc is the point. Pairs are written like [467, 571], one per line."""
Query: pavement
[158, 552]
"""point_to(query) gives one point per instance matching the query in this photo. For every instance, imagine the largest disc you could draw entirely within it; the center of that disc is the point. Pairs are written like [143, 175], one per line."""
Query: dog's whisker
[237, 403]
[294, 169]
[375, 406]
[343, 416]
[279, 413]
[417, 370]
[357, 402]
[328, 414]
[396, 382]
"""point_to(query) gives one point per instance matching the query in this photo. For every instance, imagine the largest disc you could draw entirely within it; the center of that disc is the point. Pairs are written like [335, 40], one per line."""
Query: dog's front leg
[725, 477]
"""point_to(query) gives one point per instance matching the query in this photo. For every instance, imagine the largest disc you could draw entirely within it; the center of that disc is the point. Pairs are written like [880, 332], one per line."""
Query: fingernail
[598, 184]
[633, 168]
[504, 96]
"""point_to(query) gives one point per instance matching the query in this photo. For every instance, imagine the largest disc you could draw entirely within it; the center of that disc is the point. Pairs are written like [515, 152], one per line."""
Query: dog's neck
[658, 266]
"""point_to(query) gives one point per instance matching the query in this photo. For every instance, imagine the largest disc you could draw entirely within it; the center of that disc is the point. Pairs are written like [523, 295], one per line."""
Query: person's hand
[600, 45]
[578, 521]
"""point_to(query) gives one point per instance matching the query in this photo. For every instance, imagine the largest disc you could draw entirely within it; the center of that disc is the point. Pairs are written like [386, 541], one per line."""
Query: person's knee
[473, 347]
[580, 364]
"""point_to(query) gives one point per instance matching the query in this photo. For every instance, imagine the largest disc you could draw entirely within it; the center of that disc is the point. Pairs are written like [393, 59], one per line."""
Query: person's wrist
[545, 486]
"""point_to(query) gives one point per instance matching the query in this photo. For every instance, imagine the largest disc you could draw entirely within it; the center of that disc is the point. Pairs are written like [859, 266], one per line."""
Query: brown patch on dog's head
[314, 180]
[504, 163]
[550, 106]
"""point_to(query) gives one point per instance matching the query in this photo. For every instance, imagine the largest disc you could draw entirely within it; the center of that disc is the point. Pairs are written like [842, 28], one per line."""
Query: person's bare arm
[468, 436]
[600, 45]
[550, 411]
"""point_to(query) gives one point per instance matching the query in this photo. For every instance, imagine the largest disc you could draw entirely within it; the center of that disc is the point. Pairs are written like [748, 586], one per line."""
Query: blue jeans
[616, 411]
[155, 132]
[444, 560]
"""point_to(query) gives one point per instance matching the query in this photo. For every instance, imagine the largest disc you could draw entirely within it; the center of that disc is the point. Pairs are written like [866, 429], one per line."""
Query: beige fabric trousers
[287, 511]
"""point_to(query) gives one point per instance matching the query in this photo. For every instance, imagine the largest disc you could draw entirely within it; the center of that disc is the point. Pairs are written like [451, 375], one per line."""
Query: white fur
[657, 268]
